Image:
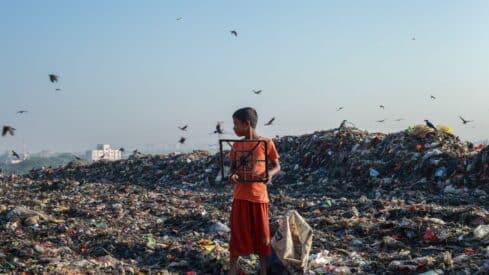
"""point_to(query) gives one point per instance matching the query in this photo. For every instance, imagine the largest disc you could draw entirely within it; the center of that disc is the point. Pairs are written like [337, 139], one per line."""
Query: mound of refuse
[409, 202]
[418, 157]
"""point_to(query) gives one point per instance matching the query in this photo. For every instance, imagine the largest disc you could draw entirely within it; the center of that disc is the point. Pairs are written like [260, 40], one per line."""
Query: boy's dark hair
[247, 114]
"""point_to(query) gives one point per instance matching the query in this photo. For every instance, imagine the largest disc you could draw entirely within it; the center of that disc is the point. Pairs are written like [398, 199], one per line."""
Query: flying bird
[53, 78]
[432, 97]
[340, 108]
[8, 130]
[179, 18]
[218, 129]
[183, 128]
[21, 112]
[380, 121]
[399, 119]
[182, 140]
[122, 149]
[234, 32]
[465, 121]
[76, 157]
[429, 124]
[270, 121]
[15, 154]
[257, 92]
[58, 89]
[414, 38]
[381, 106]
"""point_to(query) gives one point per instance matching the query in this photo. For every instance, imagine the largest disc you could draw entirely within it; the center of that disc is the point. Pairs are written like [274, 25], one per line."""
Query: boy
[250, 231]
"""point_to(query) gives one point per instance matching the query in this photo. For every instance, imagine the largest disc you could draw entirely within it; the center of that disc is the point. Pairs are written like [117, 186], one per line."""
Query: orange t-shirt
[252, 191]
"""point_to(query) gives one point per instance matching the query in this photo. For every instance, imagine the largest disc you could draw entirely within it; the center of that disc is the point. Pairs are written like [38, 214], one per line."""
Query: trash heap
[409, 202]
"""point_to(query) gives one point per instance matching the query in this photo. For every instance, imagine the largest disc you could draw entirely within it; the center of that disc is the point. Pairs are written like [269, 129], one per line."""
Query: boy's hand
[233, 179]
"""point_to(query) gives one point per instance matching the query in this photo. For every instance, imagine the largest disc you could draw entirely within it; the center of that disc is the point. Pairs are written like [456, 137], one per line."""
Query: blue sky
[131, 73]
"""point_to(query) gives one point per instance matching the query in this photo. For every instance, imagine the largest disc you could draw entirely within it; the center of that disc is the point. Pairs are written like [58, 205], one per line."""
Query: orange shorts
[250, 230]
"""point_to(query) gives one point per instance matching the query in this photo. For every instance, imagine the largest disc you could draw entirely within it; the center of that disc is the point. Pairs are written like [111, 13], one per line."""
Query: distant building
[104, 152]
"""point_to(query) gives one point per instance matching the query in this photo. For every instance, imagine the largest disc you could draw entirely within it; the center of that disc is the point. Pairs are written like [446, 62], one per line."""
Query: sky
[130, 73]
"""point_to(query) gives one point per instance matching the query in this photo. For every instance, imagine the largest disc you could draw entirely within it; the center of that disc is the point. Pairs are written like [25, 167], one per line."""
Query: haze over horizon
[131, 73]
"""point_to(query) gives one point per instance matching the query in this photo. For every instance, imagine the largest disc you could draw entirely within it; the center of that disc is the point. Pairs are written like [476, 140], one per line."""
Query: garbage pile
[64, 226]
[409, 202]
[198, 167]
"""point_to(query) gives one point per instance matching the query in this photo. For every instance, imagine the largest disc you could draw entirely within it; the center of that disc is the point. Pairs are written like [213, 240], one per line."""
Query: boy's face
[240, 127]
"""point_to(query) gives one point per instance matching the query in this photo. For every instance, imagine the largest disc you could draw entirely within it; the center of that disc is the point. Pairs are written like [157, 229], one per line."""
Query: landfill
[411, 202]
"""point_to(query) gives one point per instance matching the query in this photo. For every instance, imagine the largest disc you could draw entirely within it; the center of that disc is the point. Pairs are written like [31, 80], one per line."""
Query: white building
[104, 152]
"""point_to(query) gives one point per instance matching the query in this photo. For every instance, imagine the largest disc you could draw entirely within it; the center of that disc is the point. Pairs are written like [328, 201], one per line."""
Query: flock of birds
[429, 124]
[53, 78]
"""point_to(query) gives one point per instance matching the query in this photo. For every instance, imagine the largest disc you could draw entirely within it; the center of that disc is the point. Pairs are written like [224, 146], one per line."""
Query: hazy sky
[131, 73]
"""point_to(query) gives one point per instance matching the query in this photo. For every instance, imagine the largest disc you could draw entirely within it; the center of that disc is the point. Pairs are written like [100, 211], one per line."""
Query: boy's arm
[275, 168]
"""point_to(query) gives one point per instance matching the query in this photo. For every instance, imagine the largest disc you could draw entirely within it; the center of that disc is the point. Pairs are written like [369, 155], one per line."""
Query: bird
[218, 129]
[432, 97]
[234, 32]
[76, 157]
[381, 106]
[270, 121]
[380, 121]
[340, 108]
[15, 154]
[183, 128]
[182, 140]
[8, 130]
[58, 89]
[399, 119]
[21, 112]
[414, 38]
[179, 18]
[102, 156]
[257, 92]
[122, 149]
[53, 78]
[429, 124]
[465, 121]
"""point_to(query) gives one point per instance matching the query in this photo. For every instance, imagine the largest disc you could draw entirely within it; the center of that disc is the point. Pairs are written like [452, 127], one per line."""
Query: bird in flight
[414, 38]
[58, 89]
[429, 124]
[8, 130]
[183, 128]
[219, 129]
[464, 121]
[21, 112]
[53, 78]
[432, 97]
[257, 92]
[380, 121]
[234, 32]
[76, 157]
[122, 149]
[182, 140]
[270, 121]
[381, 106]
[399, 119]
[340, 108]
[15, 154]
[179, 18]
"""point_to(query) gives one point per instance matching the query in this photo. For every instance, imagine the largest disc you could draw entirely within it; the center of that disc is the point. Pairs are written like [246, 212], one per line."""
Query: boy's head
[244, 119]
